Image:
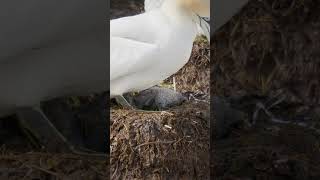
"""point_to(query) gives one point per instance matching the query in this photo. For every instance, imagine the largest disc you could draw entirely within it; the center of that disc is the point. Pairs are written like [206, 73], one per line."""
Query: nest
[195, 75]
[270, 50]
[31, 165]
[169, 145]
[173, 144]
[270, 47]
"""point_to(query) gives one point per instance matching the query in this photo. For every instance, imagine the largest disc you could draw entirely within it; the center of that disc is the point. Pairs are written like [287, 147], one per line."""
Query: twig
[44, 170]
[155, 142]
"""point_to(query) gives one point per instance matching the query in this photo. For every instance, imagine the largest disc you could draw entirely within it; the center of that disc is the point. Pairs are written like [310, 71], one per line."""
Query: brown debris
[195, 75]
[270, 50]
[160, 145]
[31, 165]
[270, 46]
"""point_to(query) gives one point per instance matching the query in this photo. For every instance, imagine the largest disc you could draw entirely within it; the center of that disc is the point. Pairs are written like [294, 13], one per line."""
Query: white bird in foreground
[50, 49]
[152, 4]
[148, 48]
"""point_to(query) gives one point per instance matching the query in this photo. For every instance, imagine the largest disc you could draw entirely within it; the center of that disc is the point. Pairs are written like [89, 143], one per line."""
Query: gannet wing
[128, 56]
[152, 4]
[25, 26]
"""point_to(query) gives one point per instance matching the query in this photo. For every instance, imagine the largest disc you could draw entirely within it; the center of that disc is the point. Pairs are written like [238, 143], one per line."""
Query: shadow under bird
[50, 49]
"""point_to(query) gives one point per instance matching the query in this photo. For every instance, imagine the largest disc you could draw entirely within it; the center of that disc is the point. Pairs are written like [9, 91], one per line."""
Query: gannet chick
[148, 48]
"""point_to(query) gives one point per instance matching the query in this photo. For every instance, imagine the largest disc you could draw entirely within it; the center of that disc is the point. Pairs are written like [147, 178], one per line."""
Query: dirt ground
[268, 57]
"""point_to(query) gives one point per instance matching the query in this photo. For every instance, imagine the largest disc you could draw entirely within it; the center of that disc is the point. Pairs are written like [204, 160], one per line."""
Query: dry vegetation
[17, 166]
[195, 75]
[19, 159]
[269, 54]
[167, 145]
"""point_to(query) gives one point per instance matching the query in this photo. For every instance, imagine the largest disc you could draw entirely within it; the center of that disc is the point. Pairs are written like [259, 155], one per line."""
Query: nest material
[120, 8]
[269, 47]
[30, 165]
[18, 159]
[172, 145]
[195, 75]
[268, 152]
[161, 145]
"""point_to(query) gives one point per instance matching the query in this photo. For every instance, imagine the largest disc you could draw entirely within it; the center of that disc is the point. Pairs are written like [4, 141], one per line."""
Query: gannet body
[49, 50]
[53, 72]
[152, 4]
[148, 48]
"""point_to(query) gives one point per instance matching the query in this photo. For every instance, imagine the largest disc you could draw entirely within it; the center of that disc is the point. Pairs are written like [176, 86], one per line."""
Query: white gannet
[222, 10]
[203, 27]
[148, 48]
[152, 4]
[50, 49]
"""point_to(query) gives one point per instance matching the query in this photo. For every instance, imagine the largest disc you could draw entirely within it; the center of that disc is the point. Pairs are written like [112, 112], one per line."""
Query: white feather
[50, 49]
[152, 4]
[148, 48]
[203, 29]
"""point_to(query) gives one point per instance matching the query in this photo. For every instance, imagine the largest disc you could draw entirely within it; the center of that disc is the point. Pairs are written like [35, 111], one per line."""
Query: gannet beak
[204, 27]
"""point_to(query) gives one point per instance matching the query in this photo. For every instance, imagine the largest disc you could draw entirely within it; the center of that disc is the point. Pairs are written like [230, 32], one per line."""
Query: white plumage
[150, 47]
[204, 29]
[152, 4]
[50, 49]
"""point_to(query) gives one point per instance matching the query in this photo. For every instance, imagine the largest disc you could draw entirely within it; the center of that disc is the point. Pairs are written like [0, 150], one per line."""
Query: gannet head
[200, 7]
